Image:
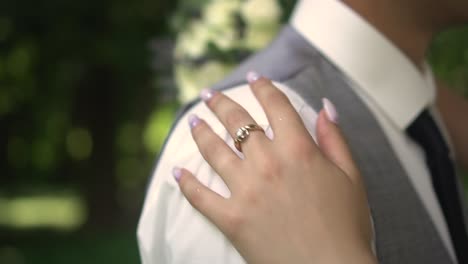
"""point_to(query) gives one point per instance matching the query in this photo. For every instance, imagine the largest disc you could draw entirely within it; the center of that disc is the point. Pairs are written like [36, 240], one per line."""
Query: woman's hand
[291, 200]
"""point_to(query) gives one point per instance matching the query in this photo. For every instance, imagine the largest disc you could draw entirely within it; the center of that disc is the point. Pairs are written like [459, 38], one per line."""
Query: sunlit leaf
[157, 127]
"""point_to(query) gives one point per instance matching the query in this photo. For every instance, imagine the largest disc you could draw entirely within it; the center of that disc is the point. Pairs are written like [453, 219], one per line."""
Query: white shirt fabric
[172, 231]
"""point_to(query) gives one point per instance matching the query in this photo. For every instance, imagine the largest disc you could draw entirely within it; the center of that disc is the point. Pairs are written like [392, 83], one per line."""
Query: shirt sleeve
[170, 230]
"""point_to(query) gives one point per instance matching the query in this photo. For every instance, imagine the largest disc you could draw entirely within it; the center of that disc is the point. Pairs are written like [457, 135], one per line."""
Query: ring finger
[233, 117]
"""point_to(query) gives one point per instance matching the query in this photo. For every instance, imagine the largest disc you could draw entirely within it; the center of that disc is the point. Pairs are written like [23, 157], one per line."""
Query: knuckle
[224, 162]
[202, 139]
[301, 148]
[203, 143]
[269, 168]
[193, 193]
[275, 97]
[234, 223]
[235, 118]
[209, 150]
[250, 196]
[196, 198]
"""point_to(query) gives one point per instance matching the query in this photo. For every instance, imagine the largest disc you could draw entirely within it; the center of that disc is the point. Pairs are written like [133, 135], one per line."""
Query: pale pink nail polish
[330, 110]
[252, 76]
[177, 173]
[207, 94]
[193, 120]
[269, 133]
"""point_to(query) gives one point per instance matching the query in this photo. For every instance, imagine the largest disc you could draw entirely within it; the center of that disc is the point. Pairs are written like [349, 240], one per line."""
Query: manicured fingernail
[252, 76]
[177, 173]
[269, 133]
[193, 120]
[330, 110]
[207, 94]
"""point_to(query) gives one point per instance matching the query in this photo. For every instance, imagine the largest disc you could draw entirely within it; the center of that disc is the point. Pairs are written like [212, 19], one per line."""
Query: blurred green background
[88, 90]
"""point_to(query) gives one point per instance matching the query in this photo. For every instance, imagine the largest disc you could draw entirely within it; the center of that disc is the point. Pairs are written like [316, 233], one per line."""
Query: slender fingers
[283, 118]
[290, 135]
[209, 203]
[332, 142]
[213, 149]
[233, 116]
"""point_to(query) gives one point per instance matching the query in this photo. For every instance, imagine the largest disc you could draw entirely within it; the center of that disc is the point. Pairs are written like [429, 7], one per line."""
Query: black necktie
[425, 132]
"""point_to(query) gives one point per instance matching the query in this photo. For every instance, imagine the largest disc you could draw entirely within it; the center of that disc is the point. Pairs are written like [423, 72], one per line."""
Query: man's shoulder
[180, 134]
[284, 57]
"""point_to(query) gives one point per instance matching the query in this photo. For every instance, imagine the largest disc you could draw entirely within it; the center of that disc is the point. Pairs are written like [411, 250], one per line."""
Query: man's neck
[401, 24]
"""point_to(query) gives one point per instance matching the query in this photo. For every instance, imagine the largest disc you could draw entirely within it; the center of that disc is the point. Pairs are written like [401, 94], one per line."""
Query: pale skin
[292, 201]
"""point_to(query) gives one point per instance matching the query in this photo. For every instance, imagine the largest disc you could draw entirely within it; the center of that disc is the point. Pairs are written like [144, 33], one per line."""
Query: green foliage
[449, 58]
[76, 94]
[55, 59]
[115, 248]
[219, 34]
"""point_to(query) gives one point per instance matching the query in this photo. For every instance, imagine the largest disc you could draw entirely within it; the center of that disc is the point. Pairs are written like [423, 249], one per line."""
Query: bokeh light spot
[158, 127]
[62, 212]
[79, 143]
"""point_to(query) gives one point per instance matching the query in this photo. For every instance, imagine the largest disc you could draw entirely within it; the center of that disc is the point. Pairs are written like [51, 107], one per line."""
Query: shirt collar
[367, 57]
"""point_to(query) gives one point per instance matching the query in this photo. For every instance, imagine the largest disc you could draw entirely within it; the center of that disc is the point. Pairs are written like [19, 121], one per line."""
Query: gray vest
[404, 230]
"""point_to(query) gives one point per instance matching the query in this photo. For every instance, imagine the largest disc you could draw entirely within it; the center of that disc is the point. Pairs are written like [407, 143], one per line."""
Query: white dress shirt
[172, 231]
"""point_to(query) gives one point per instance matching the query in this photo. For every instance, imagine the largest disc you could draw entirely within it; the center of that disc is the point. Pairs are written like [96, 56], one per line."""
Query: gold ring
[243, 133]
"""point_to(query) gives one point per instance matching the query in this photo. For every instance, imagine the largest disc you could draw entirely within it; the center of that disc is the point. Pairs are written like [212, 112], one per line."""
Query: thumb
[332, 142]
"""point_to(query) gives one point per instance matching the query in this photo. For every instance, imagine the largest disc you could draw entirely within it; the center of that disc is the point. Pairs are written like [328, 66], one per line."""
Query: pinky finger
[207, 202]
